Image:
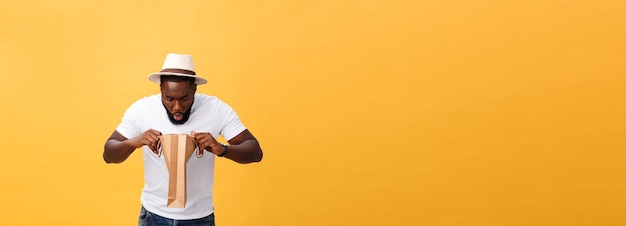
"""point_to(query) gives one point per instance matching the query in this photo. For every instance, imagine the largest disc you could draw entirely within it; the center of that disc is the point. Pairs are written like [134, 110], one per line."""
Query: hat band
[178, 70]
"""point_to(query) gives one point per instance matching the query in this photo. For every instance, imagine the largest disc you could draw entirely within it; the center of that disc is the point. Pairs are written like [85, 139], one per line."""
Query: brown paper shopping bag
[177, 149]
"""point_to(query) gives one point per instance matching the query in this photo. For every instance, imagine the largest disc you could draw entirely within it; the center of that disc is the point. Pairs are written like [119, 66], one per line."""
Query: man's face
[177, 98]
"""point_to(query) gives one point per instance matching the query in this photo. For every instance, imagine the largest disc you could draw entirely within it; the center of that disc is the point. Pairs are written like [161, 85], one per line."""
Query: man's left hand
[207, 142]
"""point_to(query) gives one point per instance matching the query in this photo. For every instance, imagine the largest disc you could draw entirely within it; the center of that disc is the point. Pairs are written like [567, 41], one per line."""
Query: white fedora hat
[177, 65]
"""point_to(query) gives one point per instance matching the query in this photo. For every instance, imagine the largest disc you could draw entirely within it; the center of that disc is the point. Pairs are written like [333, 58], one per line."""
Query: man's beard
[185, 115]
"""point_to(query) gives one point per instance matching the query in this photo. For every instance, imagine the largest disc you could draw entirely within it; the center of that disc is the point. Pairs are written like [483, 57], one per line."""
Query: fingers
[154, 132]
[152, 144]
[151, 136]
[200, 148]
[154, 148]
[151, 139]
[205, 141]
[201, 145]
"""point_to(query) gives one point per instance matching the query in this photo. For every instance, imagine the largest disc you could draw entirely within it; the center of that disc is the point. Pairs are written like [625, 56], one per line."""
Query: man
[179, 110]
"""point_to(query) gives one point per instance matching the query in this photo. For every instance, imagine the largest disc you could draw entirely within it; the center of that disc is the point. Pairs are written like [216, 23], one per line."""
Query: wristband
[225, 150]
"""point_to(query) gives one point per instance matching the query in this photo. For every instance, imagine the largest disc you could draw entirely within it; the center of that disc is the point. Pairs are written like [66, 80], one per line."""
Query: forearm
[248, 151]
[116, 151]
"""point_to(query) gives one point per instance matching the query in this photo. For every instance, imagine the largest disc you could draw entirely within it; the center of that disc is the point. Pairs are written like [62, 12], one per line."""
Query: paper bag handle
[197, 147]
[160, 152]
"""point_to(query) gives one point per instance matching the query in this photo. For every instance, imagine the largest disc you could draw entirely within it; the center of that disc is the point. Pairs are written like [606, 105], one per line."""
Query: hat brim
[156, 77]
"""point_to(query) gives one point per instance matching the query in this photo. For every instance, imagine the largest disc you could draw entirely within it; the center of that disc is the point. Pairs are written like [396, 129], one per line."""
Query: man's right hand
[148, 138]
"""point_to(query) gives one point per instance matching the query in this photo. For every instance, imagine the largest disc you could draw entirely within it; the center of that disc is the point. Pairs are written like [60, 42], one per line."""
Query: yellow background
[451, 112]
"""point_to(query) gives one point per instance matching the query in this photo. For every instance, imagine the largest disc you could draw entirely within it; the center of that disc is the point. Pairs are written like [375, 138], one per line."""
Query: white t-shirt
[208, 114]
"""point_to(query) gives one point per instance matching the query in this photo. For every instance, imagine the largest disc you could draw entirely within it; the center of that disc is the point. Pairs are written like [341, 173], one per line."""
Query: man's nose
[177, 107]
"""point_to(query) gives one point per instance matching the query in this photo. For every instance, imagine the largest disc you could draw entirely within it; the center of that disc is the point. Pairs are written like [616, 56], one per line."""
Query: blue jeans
[147, 218]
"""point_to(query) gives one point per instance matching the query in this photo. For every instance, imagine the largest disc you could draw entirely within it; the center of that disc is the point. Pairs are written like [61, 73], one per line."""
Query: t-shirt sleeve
[233, 125]
[128, 127]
